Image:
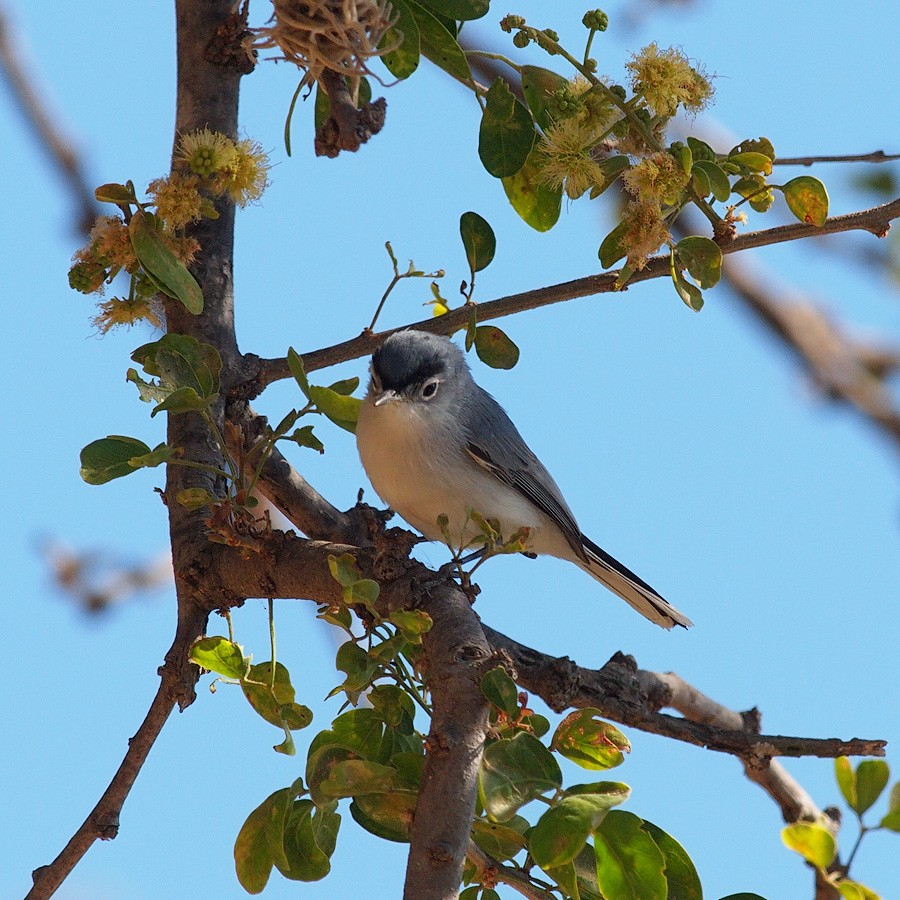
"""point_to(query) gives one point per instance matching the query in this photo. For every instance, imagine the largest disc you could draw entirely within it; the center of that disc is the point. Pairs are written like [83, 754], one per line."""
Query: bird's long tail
[633, 590]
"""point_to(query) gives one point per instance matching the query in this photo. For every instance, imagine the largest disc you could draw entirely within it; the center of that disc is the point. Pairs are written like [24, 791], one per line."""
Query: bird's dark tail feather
[633, 590]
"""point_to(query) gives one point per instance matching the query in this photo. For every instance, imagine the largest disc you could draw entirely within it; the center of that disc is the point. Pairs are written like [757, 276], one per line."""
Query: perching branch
[876, 220]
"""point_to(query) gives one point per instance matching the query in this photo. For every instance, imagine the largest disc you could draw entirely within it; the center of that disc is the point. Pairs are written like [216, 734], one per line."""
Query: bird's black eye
[429, 389]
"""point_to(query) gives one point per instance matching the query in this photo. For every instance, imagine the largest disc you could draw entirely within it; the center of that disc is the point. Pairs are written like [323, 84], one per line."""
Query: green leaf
[260, 841]
[357, 665]
[181, 361]
[276, 705]
[438, 44]
[304, 437]
[718, 180]
[345, 386]
[871, 779]
[343, 569]
[404, 59]
[478, 240]
[183, 400]
[149, 391]
[612, 792]
[355, 777]
[561, 832]
[343, 411]
[590, 742]
[507, 133]
[393, 705]
[702, 257]
[388, 816]
[755, 162]
[304, 859]
[108, 458]
[853, 890]
[538, 86]
[160, 454]
[501, 841]
[295, 364]
[221, 656]
[689, 293]
[161, 263]
[567, 878]
[539, 724]
[413, 623]
[513, 772]
[195, 498]
[494, 347]
[846, 779]
[612, 249]
[629, 864]
[755, 145]
[537, 204]
[892, 820]
[743, 895]
[813, 842]
[807, 199]
[387, 650]
[501, 691]
[681, 874]
[114, 193]
[460, 9]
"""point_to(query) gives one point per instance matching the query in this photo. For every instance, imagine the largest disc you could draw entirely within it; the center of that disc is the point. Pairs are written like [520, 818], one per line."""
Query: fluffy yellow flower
[565, 160]
[666, 80]
[206, 152]
[110, 242]
[658, 177]
[245, 179]
[177, 198]
[120, 311]
[645, 231]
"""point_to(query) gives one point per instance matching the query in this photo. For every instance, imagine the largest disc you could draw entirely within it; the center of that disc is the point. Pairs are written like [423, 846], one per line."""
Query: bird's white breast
[421, 475]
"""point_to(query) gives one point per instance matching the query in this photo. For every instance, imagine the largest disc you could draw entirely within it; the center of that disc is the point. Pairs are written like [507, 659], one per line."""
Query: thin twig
[634, 697]
[876, 156]
[58, 148]
[876, 220]
[500, 874]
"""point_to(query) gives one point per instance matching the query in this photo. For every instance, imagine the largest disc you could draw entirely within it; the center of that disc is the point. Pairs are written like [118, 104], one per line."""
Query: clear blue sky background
[689, 445]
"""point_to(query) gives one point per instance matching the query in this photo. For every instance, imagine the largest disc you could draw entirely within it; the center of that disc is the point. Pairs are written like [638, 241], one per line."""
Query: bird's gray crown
[408, 358]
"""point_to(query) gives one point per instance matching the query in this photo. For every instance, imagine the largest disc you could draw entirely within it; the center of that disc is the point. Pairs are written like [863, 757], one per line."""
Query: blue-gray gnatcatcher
[434, 443]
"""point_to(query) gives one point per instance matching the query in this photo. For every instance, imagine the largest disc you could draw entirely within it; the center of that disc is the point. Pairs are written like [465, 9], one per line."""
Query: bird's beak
[385, 397]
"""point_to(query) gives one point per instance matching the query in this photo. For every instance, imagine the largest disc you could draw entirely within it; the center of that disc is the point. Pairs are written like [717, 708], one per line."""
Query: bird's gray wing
[496, 445]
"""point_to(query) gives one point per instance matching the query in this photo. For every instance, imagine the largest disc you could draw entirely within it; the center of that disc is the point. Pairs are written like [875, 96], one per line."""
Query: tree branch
[844, 369]
[633, 697]
[58, 148]
[103, 821]
[294, 496]
[494, 872]
[207, 98]
[456, 651]
[876, 156]
[876, 220]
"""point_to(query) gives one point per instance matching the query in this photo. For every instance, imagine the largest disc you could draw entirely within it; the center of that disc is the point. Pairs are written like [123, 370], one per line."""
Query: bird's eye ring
[429, 389]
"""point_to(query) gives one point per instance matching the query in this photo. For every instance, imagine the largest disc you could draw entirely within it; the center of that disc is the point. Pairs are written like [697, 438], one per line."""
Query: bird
[435, 444]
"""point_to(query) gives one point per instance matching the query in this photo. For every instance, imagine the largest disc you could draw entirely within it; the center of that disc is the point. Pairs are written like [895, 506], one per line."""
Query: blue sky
[689, 446]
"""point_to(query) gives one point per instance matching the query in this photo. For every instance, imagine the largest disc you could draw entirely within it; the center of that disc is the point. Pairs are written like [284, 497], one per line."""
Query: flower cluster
[207, 165]
[667, 80]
